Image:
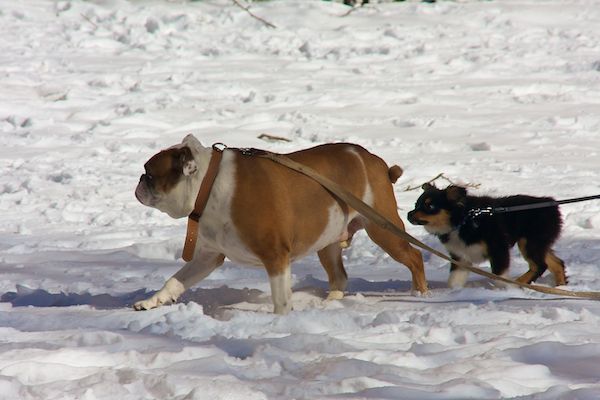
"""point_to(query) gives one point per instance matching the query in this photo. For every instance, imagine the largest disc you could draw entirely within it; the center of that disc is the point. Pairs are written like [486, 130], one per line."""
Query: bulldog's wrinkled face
[163, 185]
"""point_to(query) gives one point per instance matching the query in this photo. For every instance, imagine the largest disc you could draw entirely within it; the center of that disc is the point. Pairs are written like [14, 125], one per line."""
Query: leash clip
[478, 212]
[474, 214]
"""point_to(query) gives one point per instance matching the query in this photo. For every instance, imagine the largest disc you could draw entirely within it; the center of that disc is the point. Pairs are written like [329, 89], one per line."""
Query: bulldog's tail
[394, 173]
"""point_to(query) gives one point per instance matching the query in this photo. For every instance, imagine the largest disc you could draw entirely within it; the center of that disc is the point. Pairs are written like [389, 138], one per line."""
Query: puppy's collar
[201, 199]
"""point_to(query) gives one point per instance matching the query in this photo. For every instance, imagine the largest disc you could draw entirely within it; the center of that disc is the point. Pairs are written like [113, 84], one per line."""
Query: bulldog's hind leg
[191, 273]
[331, 259]
[400, 250]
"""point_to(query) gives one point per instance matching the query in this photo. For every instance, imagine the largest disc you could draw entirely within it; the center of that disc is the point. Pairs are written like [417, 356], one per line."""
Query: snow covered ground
[504, 94]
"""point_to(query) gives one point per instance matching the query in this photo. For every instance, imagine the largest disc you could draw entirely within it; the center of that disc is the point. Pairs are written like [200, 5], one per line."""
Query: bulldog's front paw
[150, 303]
[147, 304]
[143, 305]
[167, 295]
[417, 293]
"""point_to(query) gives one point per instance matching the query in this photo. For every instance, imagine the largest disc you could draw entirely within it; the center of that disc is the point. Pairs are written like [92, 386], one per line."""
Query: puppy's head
[439, 210]
[165, 185]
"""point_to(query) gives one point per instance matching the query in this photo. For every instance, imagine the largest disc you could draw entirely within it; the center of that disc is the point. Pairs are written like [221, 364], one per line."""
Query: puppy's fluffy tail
[394, 173]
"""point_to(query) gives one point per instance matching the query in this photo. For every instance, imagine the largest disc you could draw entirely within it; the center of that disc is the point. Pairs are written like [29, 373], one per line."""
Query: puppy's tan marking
[435, 223]
[554, 264]
[557, 268]
[533, 267]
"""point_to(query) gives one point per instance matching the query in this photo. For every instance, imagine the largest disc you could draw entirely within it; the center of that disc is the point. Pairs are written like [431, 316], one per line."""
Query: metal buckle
[219, 147]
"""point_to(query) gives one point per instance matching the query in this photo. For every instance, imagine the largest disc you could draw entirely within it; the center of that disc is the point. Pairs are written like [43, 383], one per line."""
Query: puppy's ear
[456, 194]
[185, 162]
[427, 186]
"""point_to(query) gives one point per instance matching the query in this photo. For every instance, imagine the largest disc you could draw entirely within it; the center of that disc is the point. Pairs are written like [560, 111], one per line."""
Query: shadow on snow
[209, 298]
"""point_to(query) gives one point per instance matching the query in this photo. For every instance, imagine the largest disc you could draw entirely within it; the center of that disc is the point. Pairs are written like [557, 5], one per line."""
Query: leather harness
[191, 237]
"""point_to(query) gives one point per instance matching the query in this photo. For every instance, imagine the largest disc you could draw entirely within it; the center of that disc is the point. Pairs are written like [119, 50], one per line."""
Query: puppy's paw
[335, 295]
[458, 278]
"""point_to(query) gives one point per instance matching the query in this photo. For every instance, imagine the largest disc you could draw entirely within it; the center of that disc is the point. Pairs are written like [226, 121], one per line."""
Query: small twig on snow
[89, 20]
[442, 176]
[272, 138]
[350, 11]
[247, 9]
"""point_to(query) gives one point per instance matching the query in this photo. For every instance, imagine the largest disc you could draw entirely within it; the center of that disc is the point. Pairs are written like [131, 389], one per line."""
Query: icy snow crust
[505, 94]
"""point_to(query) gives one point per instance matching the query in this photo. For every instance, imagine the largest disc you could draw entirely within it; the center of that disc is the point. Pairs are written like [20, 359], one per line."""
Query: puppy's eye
[430, 207]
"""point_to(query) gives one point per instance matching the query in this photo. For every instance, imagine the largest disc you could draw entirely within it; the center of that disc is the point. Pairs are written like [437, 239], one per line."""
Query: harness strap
[201, 199]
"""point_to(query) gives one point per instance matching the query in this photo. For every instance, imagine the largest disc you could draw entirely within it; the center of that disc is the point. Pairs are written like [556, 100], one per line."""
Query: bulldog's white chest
[475, 253]
[217, 232]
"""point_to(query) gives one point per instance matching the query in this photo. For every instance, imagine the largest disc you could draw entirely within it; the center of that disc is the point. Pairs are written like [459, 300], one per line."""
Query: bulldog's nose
[145, 178]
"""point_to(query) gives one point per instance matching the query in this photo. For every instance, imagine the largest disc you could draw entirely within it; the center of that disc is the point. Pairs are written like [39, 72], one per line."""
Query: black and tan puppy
[447, 213]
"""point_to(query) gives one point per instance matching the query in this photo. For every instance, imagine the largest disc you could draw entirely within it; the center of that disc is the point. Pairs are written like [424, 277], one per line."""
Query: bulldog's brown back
[290, 209]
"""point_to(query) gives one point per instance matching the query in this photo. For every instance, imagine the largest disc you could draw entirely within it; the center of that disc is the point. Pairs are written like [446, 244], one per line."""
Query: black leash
[543, 204]
[475, 213]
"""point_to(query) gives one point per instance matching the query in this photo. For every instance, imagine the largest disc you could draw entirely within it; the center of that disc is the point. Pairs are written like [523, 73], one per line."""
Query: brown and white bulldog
[263, 214]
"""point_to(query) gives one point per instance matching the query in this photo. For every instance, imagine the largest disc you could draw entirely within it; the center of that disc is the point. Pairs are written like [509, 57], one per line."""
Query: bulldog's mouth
[142, 195]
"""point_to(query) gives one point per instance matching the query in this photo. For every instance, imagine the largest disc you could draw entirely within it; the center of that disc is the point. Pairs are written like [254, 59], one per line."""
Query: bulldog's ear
[456, 194]
[190, 168]
[190, 140]
[427, 186]
[185, 162]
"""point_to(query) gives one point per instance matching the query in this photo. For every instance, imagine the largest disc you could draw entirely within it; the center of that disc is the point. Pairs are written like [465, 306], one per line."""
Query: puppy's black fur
[445, 213]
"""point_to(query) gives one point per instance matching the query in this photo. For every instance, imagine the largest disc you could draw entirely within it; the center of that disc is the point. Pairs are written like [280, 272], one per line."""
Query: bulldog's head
[170, 179]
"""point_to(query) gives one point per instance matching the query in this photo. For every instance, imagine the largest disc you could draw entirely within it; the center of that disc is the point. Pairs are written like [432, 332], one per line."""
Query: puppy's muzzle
[413, 218]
